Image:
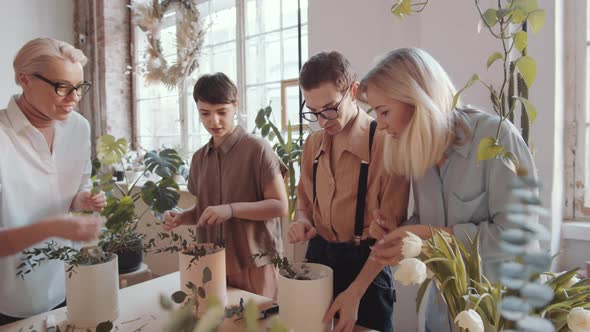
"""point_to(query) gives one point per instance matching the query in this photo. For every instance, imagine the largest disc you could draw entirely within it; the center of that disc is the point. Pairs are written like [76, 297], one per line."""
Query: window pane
[263, 58]
[198, 136]
[260, 97]
[261, 16]
[224, 60]
[290, 51]
[290, 12]
[222, 21]
[153, 90]
[292, 103]
[158, 123]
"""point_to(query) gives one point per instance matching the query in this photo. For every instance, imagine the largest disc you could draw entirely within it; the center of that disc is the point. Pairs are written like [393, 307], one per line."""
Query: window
[246, 40]
[577, 116]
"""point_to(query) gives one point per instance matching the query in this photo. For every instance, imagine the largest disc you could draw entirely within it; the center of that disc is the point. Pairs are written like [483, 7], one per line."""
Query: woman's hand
[75, 228]
[87, 201]
[214, 215]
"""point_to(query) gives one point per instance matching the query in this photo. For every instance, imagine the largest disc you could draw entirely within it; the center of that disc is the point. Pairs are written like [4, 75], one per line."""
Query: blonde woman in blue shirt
[435, 146]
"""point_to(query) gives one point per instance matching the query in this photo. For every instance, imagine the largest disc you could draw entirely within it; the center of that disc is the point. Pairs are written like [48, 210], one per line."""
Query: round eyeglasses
[64, 89]
[330, 113]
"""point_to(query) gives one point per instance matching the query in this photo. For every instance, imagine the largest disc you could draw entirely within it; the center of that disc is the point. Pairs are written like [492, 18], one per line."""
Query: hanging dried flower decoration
[190, 34]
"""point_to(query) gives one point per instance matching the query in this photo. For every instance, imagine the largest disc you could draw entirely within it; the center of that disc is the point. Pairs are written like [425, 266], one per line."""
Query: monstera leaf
[118, 212]
[165, 164]
[109, 150]
[161, 196]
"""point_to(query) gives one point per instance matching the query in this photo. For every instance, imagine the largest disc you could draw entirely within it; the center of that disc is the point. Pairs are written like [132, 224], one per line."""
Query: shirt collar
[357, 137]
[17, 119]
[229, 142]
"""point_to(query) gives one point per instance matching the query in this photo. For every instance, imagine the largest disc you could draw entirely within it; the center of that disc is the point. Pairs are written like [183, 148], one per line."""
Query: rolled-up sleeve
[305, 185]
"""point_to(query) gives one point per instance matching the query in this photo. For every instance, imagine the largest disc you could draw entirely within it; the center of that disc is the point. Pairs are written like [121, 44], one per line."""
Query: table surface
[139, 308]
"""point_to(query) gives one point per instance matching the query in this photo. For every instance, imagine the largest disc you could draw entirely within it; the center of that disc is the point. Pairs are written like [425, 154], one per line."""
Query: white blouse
[35, 183]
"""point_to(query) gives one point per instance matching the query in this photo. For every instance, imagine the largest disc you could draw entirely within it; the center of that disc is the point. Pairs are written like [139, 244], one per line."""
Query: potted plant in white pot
[121, 212]
[299, 282]
[199, 264]
[91, 273]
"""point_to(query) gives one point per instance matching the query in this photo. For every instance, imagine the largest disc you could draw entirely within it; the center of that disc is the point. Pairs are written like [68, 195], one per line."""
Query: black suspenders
[362, 187]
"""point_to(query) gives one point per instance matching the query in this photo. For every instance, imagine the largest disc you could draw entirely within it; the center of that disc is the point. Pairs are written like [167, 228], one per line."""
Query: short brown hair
[215, 89]
[326, 67]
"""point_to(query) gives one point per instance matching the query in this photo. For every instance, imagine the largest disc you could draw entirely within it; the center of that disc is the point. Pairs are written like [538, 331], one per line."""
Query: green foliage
[161, 196]
[120, 212]
[53, 251]
[287, 147]
[507, 23]
[109, 150]
[165, 163]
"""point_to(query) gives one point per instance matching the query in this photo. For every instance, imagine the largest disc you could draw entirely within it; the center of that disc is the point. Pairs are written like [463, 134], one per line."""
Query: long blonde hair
[36, 54]
[412, 76]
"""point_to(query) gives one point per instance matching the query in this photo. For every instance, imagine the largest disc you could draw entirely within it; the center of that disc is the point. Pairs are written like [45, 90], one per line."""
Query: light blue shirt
[471, 197]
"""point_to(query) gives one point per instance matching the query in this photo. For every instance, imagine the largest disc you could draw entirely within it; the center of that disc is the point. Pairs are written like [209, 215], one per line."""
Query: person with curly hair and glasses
[44, 174]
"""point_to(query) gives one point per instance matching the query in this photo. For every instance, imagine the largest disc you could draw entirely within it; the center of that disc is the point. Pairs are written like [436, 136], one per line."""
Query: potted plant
[299, 282]
[121, 234]
[92, 281]
[201, 265]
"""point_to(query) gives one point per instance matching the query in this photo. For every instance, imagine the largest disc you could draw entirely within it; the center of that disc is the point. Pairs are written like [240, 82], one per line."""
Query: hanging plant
[148, 16]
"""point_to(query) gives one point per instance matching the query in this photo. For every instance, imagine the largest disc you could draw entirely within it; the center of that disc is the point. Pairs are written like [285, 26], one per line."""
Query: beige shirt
[237, 171]
[334, 209]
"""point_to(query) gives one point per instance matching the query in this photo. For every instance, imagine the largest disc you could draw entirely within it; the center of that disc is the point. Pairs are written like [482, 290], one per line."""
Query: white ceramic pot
[193, 272]
[92, 294]
[303, 303]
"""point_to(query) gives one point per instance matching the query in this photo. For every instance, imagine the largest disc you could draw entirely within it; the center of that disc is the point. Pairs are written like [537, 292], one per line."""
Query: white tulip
[470, 320]
[410, 271]
[411, 245]
[578, 320]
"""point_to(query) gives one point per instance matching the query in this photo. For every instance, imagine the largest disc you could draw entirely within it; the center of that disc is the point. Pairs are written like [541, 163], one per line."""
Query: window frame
[577, 123]
[185, 99]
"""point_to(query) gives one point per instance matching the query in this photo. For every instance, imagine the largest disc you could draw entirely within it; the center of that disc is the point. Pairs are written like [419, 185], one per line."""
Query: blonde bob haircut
[412, 76]
[38, 53]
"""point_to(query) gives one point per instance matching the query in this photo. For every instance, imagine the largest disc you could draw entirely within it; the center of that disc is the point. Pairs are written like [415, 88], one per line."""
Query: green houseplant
[288, 148]
[121, 236]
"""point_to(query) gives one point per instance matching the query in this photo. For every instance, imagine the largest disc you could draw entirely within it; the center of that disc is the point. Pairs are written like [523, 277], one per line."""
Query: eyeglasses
[64, 89]
[328, 113]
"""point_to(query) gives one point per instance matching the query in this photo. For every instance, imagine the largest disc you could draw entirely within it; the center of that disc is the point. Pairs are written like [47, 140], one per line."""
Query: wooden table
[139, 308]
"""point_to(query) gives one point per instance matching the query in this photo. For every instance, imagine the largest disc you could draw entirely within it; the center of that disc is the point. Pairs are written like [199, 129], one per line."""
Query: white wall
[24, 20]
[447, 30]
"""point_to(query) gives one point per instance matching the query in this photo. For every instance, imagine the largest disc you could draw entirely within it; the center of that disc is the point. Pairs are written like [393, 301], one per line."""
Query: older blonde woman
[436, 147]
[44, 173]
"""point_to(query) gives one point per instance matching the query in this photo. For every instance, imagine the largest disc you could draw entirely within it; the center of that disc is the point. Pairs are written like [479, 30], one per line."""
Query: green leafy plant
[301, 272]
[288, 148]
[159, 196]
[178, 243]
[508, 23]
[52, 250]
